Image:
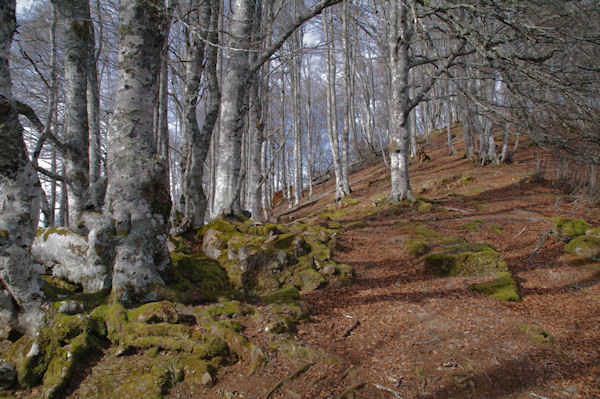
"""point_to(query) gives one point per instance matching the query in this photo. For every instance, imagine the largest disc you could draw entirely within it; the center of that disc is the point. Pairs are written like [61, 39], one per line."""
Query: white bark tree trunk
[20, 196]
[76, 17]
[137, 197]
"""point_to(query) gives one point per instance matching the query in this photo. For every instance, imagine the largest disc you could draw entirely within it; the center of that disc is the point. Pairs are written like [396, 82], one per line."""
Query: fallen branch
[542, 238]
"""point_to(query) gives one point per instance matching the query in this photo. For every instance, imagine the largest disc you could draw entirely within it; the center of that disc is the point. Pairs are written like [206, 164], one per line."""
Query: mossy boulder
[504, 288]
[356, 225]
[587, 247]
[568, 228]
[537, 333]
[284, 317]
[466, 260]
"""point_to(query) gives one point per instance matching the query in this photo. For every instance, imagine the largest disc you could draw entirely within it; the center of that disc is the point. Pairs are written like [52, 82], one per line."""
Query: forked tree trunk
[137, 197]
[20, 196]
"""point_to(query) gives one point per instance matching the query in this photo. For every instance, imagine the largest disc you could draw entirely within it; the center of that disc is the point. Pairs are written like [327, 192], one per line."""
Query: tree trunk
[348, 116]
[137, 197]
[93, 108]
[400, 137]
[20, 196]
[233, 110]
[331, 109]
[296, 123]
[76, 18]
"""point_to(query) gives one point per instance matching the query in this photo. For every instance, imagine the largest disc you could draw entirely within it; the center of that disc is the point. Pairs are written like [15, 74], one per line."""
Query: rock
[70, 307]
[212, 245]
[587, 247]
[568, 228]
[329, 270]
[466, 260]
[8, 375]
[65, 253]
[155, 312]
[8, 315]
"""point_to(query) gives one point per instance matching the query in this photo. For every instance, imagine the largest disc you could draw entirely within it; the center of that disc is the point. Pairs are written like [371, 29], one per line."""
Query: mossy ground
[569, 228]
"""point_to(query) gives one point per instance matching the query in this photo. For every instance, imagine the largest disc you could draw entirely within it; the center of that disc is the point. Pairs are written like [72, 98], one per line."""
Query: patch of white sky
[23, 5]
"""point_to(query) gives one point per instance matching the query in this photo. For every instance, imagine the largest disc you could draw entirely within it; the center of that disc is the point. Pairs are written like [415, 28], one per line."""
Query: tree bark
[20, 196]
[137, 197]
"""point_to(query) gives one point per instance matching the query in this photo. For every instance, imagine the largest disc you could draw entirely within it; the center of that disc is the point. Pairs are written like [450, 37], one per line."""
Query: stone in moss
[568, 228]
[466, 260]
[55, 288]
[283, 317]
[593, 233]
[154, 312]
[587, 247]
[537, 333]
[285, 294]
[417, 247]
[504, 288]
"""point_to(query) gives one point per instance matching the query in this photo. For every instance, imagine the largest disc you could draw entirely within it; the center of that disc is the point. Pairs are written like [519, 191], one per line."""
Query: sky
[23, 4]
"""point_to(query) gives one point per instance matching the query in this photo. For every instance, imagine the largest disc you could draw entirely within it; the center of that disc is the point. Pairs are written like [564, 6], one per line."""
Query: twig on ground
[390, 390]
[457, 209]
[351, 328]
[520, 232]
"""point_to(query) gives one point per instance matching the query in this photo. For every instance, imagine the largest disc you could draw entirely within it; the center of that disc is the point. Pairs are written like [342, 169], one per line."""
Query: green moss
[466, 180]
[537, 333]
[417, 247]
[45, 232]
[55, 288]
[284, 241]
[334, 224]
[504, 288]
[466, 260]
[4, 235]
[356, 225]
[587, 247]
[349, 201]
[229, 309]
[285, 294]
[495, 228]
[473, 226]
[196, 279]
[569, 228]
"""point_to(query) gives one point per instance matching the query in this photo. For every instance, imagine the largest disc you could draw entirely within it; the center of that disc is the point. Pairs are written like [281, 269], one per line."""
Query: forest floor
[399, 332]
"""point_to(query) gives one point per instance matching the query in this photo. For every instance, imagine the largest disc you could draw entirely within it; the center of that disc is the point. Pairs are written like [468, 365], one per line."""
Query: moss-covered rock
[466, 260]
[154, 312]
[356, 225]
[417, 247]
[285, 294]
[568, 228]
[587, 247]
[537, 333]
[473, 226]
[283, 317]
[195, 278]
[504, 288]
[65, 362]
